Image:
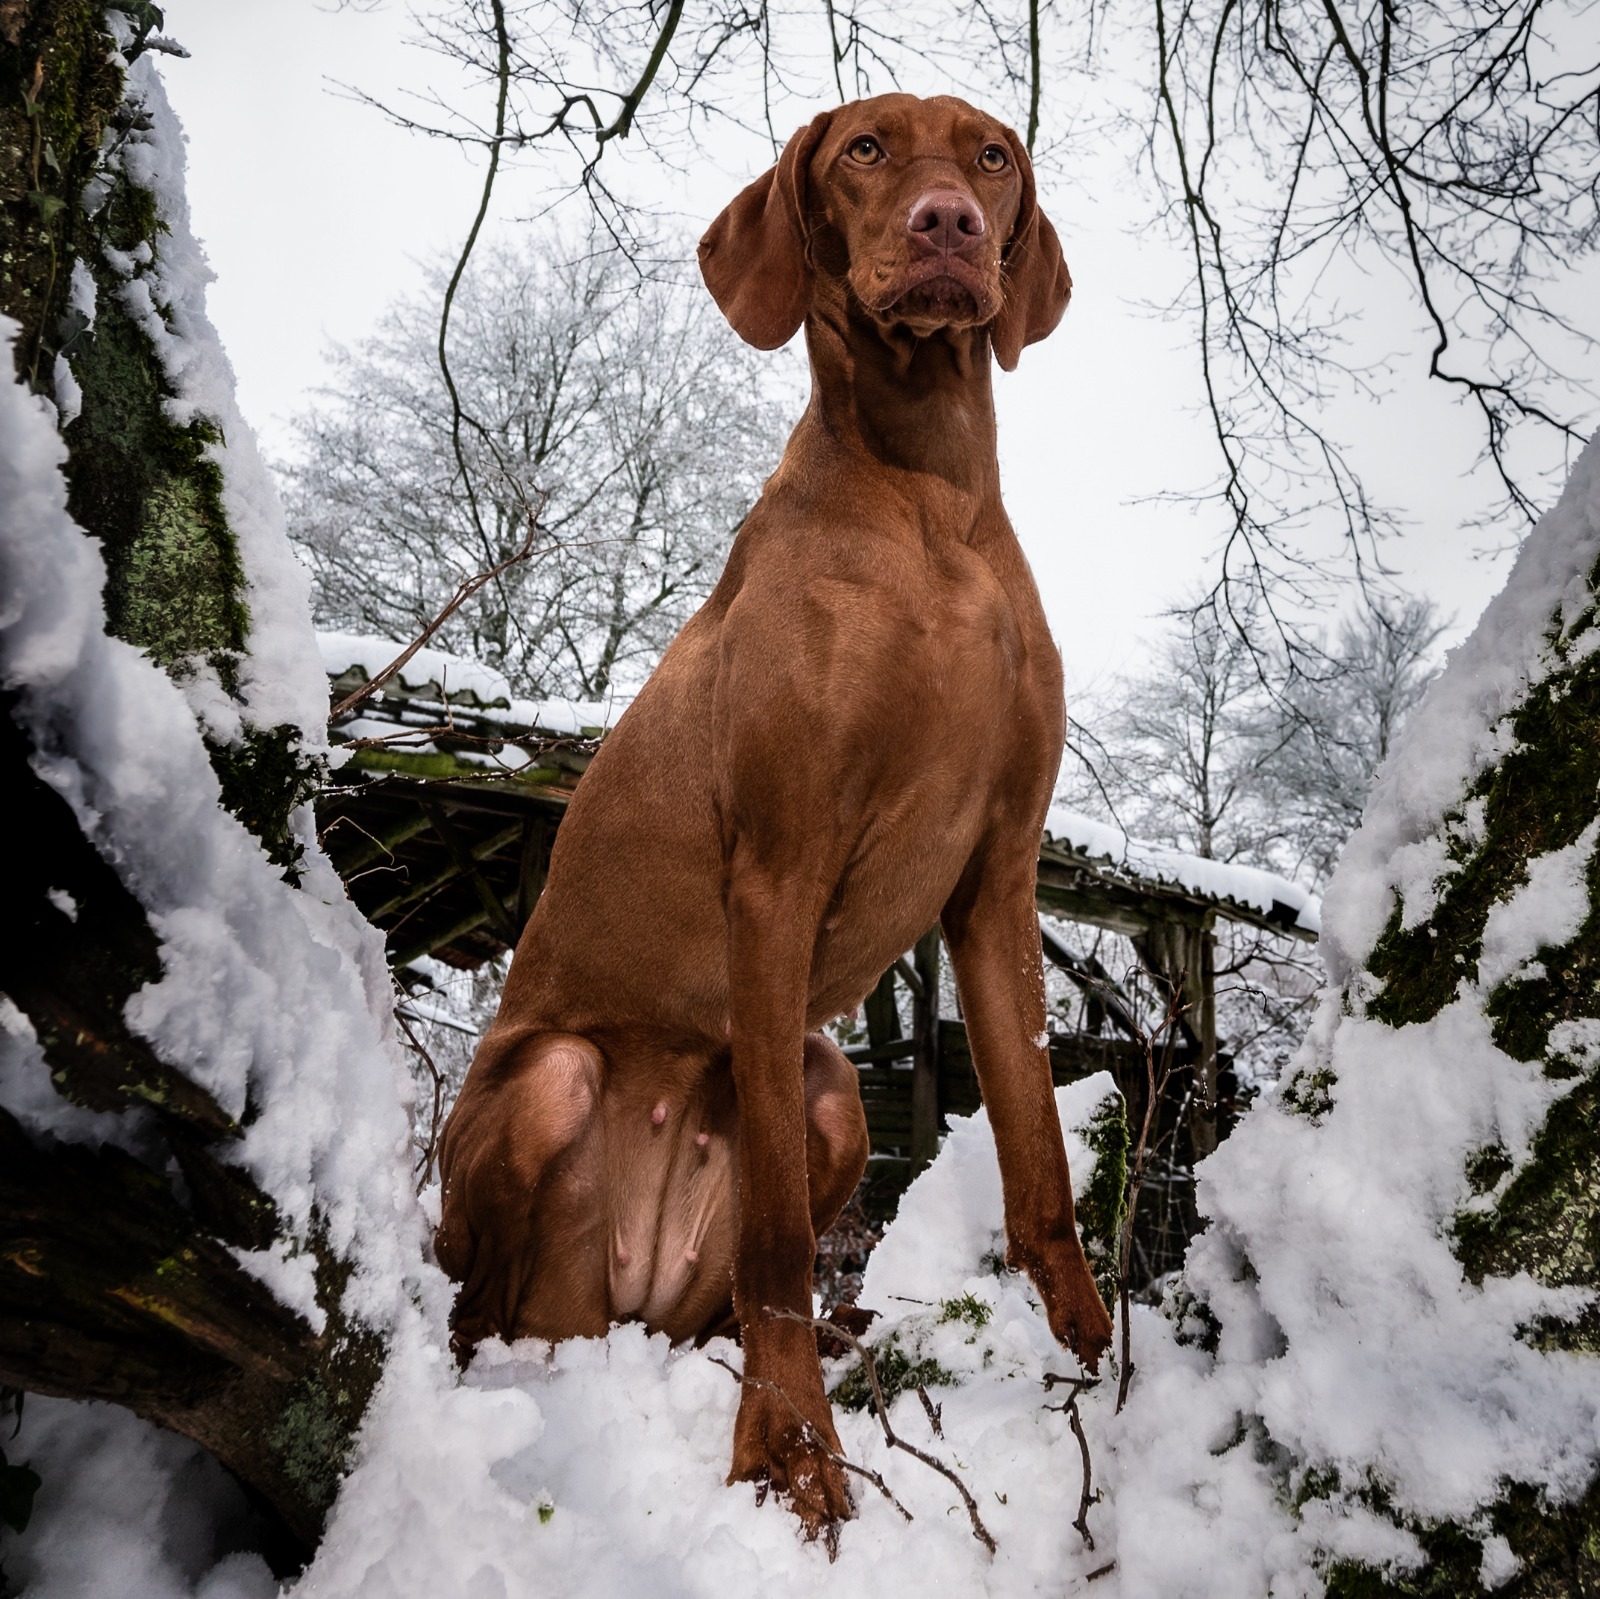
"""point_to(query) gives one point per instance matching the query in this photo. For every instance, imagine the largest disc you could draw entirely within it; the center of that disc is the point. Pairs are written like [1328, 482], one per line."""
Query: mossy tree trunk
[1541, 796]
[117, 1277]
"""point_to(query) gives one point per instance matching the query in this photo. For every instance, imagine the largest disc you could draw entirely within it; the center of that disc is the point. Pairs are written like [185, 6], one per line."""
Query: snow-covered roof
[435, 685]
[1284, 903]
[437, 677]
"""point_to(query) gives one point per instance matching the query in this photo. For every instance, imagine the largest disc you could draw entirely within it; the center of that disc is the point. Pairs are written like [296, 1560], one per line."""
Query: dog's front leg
[992, 930]
[784, 1433]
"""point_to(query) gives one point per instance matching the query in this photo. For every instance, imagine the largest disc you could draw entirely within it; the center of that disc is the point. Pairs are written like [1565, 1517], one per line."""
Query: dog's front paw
[776, 1444]
[1081, 1322]
[1072, 1303]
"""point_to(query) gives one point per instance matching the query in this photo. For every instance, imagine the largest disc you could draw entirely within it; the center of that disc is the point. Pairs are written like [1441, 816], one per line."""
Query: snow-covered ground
[597, 1468]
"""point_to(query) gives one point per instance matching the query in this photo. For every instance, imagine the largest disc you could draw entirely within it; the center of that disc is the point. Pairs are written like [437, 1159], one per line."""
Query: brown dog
[855, 736]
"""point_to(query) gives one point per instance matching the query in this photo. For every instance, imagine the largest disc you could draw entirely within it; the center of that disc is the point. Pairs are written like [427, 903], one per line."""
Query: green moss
[1548, 1220]
[309, 1442]
[312, 1433]
[1320, 1482]
[1487, 1166]
[1538, 798]
[265, 777]
[1559, 1549]
[897, 1374]
[149, 489]
[150, 492]
[1103, 1202]
[1545, 1216]
[441, 763]
[58, 90]
[968, 1308]
[1309, 1094]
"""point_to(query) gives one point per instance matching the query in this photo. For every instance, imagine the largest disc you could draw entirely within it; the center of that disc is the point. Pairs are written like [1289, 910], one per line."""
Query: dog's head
[922, 211]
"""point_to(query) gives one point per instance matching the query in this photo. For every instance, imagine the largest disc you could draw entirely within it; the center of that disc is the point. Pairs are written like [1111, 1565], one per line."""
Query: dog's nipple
[692, 1256]
[623, 1257]
[659, 1114]
[702, 1139]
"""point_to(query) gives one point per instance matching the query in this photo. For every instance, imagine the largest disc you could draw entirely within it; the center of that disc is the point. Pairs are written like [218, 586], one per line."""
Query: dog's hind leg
[836, 1130]
[524, 1256]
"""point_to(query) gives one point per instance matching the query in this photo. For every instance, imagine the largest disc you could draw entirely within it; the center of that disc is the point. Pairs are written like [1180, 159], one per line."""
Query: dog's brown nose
[945, 222]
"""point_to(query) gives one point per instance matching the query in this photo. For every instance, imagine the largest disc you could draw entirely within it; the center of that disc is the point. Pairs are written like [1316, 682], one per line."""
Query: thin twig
[1144, 1150]
[935, 1412]
[815, 1439]
[1087, 1496]
[881, 1410]
[461, 595]
[425, 1165]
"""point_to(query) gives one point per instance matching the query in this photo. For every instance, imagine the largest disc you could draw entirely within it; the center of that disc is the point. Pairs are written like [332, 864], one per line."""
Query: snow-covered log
[204, 1206]
[1391, 1384]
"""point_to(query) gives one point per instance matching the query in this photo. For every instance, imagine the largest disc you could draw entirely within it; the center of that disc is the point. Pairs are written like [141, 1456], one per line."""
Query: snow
[448, 681]
[597, 1467]
[1353, 1347]
[126, 1509]
[1351, 1352]
[1218, 880]
[1545, 913]
[164, 293]
[1459, 729]
[266, 992]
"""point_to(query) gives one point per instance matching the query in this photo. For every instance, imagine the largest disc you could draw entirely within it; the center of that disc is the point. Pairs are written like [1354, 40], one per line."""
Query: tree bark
[118, 1274]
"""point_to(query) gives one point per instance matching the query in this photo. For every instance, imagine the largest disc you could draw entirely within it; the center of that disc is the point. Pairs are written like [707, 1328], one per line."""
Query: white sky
[315, 213]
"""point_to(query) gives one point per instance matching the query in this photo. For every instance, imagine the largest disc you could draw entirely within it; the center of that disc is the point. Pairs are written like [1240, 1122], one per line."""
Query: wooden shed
[442, 816]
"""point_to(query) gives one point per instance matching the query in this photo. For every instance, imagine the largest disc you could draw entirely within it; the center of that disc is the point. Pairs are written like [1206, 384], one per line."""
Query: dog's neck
[916, 405]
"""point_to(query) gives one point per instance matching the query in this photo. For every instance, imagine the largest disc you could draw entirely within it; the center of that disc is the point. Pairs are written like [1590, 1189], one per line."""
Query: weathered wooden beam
[1094, 979]
[425, 943]
[883, 1014]
[874, 1054]
[532, 866]
[466, 858]
[415, 893]
[925, 1062]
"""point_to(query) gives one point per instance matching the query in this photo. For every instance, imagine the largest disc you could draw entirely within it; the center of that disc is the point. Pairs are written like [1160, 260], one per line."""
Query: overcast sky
[316, 212]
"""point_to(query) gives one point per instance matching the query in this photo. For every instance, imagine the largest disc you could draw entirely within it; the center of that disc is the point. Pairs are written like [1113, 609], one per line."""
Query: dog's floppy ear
[754, 256]
[1034, 282]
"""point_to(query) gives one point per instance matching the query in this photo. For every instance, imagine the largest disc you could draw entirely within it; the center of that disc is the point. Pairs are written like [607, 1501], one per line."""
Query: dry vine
[817, 1441]
[431, 1148]
[881, 1410]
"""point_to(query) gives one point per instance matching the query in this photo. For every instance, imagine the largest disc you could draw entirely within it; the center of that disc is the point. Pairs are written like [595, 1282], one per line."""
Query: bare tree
[1219, 748]
[633, 410]
[1440, 161]
[1382, 659]
[1452, 150]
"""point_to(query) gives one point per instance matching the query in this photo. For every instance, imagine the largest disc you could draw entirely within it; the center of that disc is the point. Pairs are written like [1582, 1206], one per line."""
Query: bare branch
[881, 1410]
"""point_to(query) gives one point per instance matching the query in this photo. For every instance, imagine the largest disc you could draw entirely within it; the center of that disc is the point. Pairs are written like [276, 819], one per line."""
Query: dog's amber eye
[992, 158]
[866, 151]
